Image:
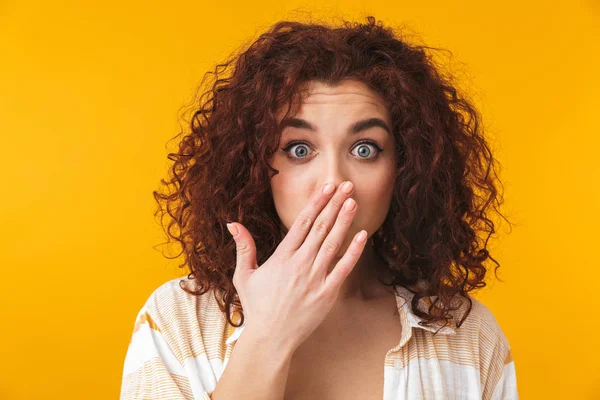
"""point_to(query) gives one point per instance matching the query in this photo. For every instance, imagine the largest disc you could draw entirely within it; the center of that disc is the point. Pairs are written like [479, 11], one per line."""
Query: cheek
[373, 206]
[377, 189]
[290, 198]
[374, 202]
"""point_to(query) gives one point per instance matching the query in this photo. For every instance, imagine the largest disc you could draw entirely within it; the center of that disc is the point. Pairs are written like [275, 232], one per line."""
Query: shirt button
[398, 364]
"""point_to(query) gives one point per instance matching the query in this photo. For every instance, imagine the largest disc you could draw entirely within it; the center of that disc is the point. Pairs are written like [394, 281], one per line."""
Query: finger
[342, 269]
[323, 224]
[334, 241]
[301, 226]
[245, 249]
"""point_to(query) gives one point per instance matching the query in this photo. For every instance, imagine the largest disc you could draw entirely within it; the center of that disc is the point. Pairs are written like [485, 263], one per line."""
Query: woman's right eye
[299, 154]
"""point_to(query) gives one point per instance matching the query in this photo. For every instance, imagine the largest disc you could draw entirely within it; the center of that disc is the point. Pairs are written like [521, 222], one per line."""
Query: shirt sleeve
[496, 364]
[506, 388]
[151, 370]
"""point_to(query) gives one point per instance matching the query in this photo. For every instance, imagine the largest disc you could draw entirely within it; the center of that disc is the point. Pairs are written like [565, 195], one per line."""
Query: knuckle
[330, 246]
[304, 221]
[301, 259]
[242, 248]
[322, 226]
[337, 202]
[344, 220]
[327, 296]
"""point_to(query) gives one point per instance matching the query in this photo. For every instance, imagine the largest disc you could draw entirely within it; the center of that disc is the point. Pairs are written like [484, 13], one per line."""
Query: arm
[151, 369]
[506, 388]
[257, 370]
[496, 363]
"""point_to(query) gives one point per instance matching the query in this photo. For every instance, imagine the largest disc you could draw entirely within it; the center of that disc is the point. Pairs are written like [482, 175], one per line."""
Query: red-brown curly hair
[443, 186]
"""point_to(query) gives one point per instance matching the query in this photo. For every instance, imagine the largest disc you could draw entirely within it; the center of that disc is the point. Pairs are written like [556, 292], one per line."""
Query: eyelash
[297, 160]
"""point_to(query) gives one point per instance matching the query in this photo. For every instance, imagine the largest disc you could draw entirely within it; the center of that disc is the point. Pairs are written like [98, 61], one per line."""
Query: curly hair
[220, 172]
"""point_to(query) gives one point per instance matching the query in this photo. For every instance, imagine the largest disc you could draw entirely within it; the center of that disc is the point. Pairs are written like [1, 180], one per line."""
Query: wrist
[271, 344]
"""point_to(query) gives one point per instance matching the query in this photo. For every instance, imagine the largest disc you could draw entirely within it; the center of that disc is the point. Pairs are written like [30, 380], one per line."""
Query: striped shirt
[181, 344]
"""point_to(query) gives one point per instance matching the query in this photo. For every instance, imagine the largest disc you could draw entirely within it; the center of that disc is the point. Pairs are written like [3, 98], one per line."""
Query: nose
[338, 181]
[333, 172]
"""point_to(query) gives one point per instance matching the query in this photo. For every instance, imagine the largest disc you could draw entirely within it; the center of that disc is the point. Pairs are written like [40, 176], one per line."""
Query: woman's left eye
[363, 150]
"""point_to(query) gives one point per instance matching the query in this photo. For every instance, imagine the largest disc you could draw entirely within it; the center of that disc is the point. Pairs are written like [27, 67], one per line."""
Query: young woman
[354, 181]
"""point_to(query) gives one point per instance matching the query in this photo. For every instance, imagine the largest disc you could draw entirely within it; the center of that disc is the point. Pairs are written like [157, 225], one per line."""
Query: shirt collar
[405, 314]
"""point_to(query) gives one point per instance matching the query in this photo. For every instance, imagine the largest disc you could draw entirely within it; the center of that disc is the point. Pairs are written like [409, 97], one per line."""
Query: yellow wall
[90, 93]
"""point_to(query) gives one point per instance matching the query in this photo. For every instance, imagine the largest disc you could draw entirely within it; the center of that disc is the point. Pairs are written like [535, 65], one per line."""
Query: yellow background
[90, 94]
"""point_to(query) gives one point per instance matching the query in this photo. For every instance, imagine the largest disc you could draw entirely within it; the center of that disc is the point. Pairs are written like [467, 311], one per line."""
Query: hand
[290, 295]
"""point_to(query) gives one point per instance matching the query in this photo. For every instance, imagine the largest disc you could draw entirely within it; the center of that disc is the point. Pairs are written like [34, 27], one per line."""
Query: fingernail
[328, 189]
[361, 236]
[232, 229]
[349, 204]
[347, 187]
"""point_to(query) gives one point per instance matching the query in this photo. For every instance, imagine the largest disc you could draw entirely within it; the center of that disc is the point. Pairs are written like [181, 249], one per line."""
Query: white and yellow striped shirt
[181, 344]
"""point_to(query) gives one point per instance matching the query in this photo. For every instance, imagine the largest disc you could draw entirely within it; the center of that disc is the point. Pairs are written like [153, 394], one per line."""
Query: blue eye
[365, 150]
[298, 156]
[301, 155]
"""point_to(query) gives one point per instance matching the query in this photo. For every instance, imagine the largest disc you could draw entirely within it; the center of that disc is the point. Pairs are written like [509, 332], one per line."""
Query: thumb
[245, 248]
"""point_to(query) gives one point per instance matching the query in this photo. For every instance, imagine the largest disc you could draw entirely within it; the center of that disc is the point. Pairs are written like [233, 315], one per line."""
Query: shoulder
[490, 346]
[497, 365]
[189, 323]
[483, 327]
[170, 297]
[173, 308]
[482, 316]
[175, 339]
[480, 330]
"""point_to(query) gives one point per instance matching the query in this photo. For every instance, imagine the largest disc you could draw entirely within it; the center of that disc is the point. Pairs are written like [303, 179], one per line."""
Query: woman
[320, 300]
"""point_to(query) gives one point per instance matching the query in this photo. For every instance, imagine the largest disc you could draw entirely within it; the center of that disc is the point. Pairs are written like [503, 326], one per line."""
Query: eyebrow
[354, 128]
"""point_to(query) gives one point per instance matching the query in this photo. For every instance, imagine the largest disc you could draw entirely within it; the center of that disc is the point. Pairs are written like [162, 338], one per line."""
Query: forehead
[351, 91]
[347, 94]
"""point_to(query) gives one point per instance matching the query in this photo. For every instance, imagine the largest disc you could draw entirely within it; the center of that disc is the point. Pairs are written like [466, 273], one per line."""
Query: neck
[362, 284]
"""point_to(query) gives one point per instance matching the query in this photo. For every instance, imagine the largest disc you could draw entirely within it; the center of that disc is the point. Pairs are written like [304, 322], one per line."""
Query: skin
[331, 154]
